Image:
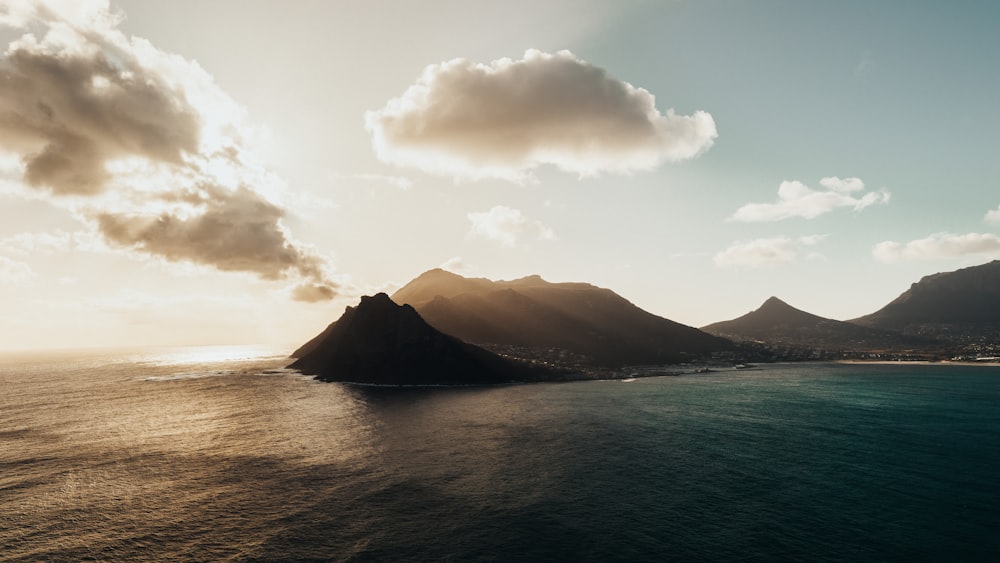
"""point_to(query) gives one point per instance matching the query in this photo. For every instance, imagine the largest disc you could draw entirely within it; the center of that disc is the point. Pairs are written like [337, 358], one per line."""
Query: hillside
[534, 317]
[777, 322]
[961, 306]
[380, 342]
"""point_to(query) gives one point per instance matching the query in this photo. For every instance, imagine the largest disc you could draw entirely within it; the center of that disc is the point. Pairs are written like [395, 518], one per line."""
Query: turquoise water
[192, 457]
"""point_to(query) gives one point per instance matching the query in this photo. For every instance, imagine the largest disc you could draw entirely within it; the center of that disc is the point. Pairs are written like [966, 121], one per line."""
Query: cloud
[456, 265]
[505, 118]
[795, 199]
[400, 182]
[27, 244]
[506, 226]
[865, 66]
[141, 143]
[767, 251]
[13, 272]
[81, 97]
[234, 231]
[939, 245]
[845, 186]
[314, 292]
[993, 215]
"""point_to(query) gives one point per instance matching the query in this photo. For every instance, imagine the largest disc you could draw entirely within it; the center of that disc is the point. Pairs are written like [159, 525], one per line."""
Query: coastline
[920, 362]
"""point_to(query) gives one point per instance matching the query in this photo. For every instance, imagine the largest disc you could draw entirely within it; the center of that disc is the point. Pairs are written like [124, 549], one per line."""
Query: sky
[239, 171]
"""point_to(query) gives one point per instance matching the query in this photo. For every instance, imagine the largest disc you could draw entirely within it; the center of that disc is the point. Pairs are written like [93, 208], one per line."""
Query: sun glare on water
[208, 354]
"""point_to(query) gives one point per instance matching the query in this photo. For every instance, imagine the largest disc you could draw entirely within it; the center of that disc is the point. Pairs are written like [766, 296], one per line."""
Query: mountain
[571, 322]
[438, 282]
[961, 306]
[777, 322]
[381, 342]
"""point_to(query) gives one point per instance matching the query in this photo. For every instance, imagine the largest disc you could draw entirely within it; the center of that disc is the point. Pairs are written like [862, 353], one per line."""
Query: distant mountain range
[961, 306]
[777, 322]
[577, 322]
[947, 312]
[381, 342]
[423, 333]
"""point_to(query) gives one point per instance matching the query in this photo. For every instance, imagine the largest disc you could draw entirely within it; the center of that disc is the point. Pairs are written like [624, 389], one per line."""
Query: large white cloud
[796, 199]
[142, 143]
[507, 226]
[939, 245]
[767, 251]
[505, 118]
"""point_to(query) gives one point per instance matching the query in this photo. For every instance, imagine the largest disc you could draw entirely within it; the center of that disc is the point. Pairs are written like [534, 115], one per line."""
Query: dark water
[184, 458]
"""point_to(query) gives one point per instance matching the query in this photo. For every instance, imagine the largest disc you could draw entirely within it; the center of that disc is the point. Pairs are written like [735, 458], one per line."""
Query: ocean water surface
[219, 454]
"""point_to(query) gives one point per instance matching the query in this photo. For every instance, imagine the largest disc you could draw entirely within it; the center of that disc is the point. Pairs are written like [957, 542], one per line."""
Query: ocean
[213, 454]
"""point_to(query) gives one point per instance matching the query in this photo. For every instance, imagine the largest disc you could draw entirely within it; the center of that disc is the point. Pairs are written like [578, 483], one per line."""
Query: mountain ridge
[777, 322]
[592, 324]
[967, 296]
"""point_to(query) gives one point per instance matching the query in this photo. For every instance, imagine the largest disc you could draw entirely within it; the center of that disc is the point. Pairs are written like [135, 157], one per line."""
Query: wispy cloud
[507, 117]
[457, 265]
[796, 199]
[14, 272]
[866, 66]
[141, 143]
[400, 182]
[507, 226]
[938, 246]
[31, 243]
[993, 215]
[768, 251]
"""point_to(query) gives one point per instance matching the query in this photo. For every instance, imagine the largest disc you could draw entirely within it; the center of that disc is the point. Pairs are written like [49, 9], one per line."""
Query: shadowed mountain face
[381, 342]
[959, 305]
[779, 323]
[575, 318]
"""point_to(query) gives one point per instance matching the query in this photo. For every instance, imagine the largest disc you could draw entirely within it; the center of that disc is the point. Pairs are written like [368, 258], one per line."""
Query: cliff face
[579, 318]
[959, 305]
[381, 342]
[966, 295]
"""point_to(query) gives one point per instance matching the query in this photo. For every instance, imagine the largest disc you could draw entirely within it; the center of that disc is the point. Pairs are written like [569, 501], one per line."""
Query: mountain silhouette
[777, 322]
[590, 323]
[380, 342]
[960, 306]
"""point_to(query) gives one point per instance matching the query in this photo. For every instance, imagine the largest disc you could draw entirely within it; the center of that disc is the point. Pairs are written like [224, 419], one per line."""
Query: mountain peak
[771, 314]
[534, 279]
[436, 282]
[778, 322]
[776, 311]
[382, 304]
[379, 299]
[437, 272]
[381, 342]
[774, 302]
